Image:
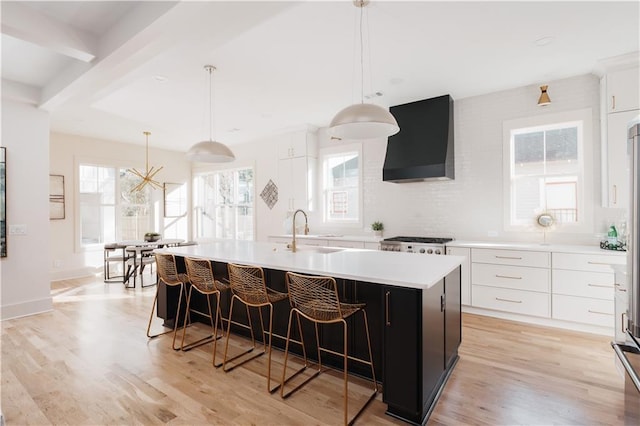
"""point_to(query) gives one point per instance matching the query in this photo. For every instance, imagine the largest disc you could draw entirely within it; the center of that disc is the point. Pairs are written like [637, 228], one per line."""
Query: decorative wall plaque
[270, 194]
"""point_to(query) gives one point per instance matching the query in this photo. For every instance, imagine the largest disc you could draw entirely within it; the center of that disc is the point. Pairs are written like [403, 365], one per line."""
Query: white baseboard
[69, 274]
[547, 322]
[24, 309]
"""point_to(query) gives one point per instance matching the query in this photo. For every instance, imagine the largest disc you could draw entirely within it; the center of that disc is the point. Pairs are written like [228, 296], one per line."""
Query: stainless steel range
[423, 245]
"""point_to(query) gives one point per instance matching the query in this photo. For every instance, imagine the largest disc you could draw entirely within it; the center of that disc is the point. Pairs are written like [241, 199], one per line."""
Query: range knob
[397, 248]
[421, 250]
[438, 251]
[430, 251]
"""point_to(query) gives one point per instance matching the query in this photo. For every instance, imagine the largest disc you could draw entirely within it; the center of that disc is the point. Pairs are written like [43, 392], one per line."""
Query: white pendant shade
[363, 121]
[210, 152]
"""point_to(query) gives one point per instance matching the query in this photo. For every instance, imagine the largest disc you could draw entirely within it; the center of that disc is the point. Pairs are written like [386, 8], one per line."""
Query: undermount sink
[315, 249]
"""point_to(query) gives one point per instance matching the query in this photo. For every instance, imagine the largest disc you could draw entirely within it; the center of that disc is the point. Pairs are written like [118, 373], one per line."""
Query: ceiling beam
[25, 23]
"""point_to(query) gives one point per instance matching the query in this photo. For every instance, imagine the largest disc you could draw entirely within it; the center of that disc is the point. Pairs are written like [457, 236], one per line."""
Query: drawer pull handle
[507, 276]
[620, 287]
[599, 263]
[600, 285]
[507, 300]
[599, 313]
[508, 257]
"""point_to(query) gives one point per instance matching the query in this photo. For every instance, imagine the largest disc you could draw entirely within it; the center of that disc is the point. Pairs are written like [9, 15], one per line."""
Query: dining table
[138, 254]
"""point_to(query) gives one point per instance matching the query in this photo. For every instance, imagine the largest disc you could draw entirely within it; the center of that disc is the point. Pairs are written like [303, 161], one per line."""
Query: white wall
[67, 258]
[471, 206]
[25, 287]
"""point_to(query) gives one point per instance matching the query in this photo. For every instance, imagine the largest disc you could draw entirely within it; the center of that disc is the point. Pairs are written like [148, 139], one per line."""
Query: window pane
[245, 186]
[528, 147]
[224, 204]
[341, 187]
[527, 197]
[562, 144]
[562, 200]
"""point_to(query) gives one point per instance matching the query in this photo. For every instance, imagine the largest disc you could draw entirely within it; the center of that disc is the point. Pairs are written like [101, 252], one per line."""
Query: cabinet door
[622, 90]
[299, 181]
[465, 277]
[402, 350]
[296, 180]
[452, 318]
[371, 295]
[618, 159]
[285, 184]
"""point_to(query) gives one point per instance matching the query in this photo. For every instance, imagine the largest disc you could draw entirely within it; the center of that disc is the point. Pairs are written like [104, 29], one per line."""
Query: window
[544, 170]
[224, 204]
[109, 211]
[341, 185]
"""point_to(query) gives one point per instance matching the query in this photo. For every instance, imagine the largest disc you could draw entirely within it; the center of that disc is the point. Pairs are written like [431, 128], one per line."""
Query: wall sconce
[544, 97]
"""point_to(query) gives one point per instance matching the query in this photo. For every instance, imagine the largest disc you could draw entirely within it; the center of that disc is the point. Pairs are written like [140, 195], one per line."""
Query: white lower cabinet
[345, 244]
[465, 278]
[510, 300]
[515, 281]
[583, 309]
[567, 286]
[584, 288]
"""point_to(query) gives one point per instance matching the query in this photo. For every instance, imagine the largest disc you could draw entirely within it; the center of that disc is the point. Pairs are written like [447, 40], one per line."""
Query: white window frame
[332, 152]
[117, 165]
[585, 175]
[194, 196]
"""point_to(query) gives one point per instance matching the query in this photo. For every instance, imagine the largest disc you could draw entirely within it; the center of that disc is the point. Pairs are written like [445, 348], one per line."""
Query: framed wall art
[56, 197]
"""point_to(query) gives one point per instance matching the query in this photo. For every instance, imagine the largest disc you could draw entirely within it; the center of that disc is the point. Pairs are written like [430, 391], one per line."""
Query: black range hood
[423, 149]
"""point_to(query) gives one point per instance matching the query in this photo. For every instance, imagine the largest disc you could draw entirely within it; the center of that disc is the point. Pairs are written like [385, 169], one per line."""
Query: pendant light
[363, 121]
[147, 177]
[210, 151]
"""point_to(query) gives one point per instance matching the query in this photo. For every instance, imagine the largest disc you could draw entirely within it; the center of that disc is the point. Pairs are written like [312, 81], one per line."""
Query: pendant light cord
[361, 57]
[146, 134]
[210, 69]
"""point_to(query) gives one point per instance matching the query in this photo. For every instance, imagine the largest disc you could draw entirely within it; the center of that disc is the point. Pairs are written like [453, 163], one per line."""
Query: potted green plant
[152, 237]
[377, 228]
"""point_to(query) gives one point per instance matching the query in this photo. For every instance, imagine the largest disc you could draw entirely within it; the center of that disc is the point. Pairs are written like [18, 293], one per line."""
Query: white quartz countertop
[555, 248]
[332, 237]
[396, 269]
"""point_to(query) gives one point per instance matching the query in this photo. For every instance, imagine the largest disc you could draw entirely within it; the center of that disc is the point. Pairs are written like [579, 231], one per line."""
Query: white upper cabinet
[623, 89]
[297, 152]
[297, 144]
[617, 159]
[620, 105]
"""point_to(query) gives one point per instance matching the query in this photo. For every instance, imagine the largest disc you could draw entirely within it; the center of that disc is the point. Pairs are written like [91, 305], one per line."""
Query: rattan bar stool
[201, 276]
[316, 299]
[248, 286]
[168, 274]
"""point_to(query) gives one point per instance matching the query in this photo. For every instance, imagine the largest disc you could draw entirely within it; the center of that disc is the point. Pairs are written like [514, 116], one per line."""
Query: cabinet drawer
[597, 285]
[586, 262]
[584, 310]
[514, 277]
[537, 259]
[516, 301]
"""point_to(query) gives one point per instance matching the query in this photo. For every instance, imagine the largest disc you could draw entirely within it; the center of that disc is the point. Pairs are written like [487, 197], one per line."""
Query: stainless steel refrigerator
[633, 238]
[627, 347]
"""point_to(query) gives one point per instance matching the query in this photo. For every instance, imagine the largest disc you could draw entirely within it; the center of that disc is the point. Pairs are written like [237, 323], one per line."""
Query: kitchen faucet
[306, 228]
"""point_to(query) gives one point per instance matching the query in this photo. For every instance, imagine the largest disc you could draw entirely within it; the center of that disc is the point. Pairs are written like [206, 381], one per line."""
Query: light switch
[17, 229]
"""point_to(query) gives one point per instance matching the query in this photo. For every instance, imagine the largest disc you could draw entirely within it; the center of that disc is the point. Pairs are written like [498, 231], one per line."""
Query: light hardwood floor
[90, 362]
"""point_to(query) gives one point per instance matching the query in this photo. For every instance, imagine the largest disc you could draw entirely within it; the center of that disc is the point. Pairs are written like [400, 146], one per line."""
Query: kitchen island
[413, 306]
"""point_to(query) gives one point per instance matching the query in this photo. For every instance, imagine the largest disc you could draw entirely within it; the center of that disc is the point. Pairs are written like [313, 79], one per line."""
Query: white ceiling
[93, 65]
